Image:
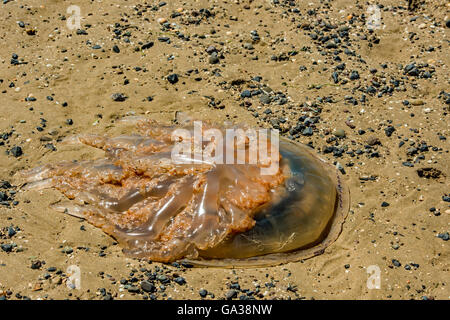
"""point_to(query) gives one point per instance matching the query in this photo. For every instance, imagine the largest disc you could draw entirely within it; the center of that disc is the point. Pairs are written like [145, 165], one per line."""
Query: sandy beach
[367, 88]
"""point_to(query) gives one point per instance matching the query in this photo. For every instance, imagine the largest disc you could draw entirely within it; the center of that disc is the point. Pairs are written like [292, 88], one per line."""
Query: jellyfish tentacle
[207, 229]
[174, 203]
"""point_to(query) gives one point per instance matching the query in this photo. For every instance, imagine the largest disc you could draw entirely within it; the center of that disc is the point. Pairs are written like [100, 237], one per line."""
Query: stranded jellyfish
[211, 195]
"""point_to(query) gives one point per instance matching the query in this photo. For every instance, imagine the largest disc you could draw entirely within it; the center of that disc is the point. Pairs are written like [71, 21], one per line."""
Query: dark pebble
[396, 263]
[444, 236]
[231, 294]
[389, 131]
[214, 58]
[147, 286]
[354, 75]
[147, 46]
[16, 151]
[180, 280]
[133, 289]
[6, 247]
[173, 78]
[246, 94]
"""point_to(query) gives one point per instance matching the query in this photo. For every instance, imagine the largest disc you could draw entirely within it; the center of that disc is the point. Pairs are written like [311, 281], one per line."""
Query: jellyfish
[212, 195]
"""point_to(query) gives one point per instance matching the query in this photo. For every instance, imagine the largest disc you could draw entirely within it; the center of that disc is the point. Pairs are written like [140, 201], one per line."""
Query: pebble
[214, 58]
[417, 102]
[340, 133]
[172, 78]
[354, 75]
[265, 99]
[246, 94]
[231, 294]
[372, 141]
[389, 131]
[67, 250]
[118, 97]
[148, 45]
[11, 232]
[133, 289]
[147, 286]
[444, 236]
[6, 247]
[16, 151]
[396, 263]
[180, 280]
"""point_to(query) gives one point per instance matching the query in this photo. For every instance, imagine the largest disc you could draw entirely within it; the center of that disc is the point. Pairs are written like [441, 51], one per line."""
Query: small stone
[372, 141]
[6, 247]
[246, 94]
[118, 97]
[417, 102]
[444, 236]
[384, 204]
[265, 99]
[116, 49]
[36, 264]
[147, 286]
[11, 232]
[389, 131]
[16, 151]
[231, 294]
[67, 250]
[180, 280]
[173, 78]
[248, 46]
[148, 45]
[161, 20]
[211, 49]
[340, 133]
[203, 293]
[396, 263]
[133, 289]
[307, 131]
[214, 58]
[354, 75]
